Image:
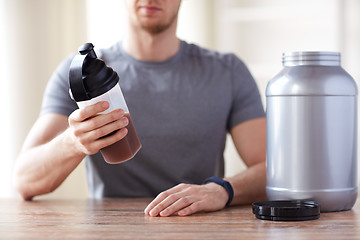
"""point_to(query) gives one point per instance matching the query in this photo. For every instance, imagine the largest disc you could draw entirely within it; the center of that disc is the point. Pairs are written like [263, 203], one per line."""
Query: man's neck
[146, 46]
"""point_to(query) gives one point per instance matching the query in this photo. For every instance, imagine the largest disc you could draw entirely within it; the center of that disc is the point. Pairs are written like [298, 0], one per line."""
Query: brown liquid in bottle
[124, 149]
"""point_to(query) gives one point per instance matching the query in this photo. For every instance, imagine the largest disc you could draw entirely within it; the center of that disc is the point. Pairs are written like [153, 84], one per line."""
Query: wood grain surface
[124, 219]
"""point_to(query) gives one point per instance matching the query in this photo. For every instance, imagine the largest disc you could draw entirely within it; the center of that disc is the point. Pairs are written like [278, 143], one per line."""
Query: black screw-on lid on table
[284, 210]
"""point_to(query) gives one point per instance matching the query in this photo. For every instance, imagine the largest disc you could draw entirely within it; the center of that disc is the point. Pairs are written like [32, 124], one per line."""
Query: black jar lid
[284, 210]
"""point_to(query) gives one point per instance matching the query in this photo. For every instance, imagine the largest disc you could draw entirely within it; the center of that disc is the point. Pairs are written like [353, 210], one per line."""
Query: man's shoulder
[194, 51]
[110, 52]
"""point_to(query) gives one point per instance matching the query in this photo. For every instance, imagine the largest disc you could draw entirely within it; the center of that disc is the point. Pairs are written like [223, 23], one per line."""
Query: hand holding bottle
[92, 131]
[91, 82]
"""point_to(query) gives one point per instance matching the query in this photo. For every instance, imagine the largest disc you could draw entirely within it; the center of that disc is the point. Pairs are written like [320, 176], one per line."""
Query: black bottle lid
[89, 76]
[284, 210]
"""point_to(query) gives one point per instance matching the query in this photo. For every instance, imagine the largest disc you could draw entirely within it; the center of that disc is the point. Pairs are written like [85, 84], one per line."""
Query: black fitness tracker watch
[225, 184]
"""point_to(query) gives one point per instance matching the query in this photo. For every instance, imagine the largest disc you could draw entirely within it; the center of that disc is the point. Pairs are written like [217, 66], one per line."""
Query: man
[182, 99]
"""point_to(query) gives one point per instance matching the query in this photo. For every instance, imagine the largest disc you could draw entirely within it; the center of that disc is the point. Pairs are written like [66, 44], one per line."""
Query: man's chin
[156, 29]
[155, 26]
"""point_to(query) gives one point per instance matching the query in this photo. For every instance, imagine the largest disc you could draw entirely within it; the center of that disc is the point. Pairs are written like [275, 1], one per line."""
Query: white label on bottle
[114, 96]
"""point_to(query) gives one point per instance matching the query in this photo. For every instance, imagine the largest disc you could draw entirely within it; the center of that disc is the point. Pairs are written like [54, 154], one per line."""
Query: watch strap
[225, 184]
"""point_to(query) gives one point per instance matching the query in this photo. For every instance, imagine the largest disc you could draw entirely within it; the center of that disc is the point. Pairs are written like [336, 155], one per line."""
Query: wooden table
[124, 219]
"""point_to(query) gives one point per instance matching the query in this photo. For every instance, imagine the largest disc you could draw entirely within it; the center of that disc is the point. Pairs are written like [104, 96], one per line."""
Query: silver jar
[312, 131]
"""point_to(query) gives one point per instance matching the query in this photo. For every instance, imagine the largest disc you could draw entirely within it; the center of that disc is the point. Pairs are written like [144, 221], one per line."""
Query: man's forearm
[249, 185]
[43, 168]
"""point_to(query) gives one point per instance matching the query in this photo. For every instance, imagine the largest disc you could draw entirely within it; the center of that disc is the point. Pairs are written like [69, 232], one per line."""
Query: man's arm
[250, 141]
[46, 158]
[185, 199]
[56, 144]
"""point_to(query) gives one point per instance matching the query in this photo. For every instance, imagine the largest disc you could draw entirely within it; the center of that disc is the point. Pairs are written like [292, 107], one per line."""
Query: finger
[95, 146]
[163, 205]
[180, 204]
[101, 120]
[153, 208]
[192, 208]
[162, 196]
[107, 141]
[90, 111]
[170, 197]
[107, 129]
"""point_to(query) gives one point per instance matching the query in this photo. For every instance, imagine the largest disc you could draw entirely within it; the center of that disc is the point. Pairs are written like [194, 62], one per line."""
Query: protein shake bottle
[92, 81]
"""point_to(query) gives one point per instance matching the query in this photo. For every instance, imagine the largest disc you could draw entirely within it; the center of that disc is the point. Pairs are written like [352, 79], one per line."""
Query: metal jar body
[312, 131]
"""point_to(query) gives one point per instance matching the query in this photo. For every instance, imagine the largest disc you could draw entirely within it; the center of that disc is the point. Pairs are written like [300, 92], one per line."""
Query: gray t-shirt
[182, 109]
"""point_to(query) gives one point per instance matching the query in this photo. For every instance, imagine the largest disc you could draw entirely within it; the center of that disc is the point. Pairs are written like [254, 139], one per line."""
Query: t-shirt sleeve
[246, 103]
[56, 97]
